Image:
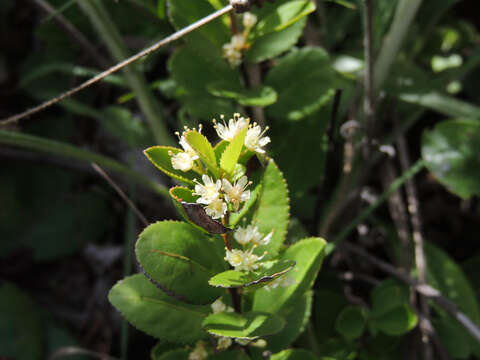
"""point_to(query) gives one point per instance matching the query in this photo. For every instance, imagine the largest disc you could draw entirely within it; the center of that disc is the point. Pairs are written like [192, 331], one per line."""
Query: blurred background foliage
[66, 236]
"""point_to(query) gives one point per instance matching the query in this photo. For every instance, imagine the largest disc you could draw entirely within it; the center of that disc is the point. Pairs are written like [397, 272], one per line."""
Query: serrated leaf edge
[167, 172]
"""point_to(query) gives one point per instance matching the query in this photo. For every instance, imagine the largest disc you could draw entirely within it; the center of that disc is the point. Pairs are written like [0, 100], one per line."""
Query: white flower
[242, 342]
[224, 343]
[236, 193]
[209, 191]
[282, 281]
[232, 51]
[251, 234]
[254, 140]
[216, 209]
[199, 353]
[218, 306]
[182, 161]
[228, 132]
[249, 20]
[243, 260]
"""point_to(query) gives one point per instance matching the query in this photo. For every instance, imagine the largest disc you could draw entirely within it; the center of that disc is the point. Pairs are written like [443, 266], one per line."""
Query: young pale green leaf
[250, 325]
[204, 150]
[152, 311]
[21, 328]
[351, 322]
[236, 217]
[451, 153]
[272, 211]
[260, 96]
[180, 259]
[273, 44]
[283, 16]
[269, 271]
[295, 354]
[232, 152]
[219, 149]
[296, 316]
[304, 81]
[397, 321]
[158, 155]
[308, 255]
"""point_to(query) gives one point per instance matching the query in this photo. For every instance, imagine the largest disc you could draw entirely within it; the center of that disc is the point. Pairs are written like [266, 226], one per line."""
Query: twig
[413, 206]
[369, 107]
[422, 288]
[73, 31]
[175, 36]
[120, 192]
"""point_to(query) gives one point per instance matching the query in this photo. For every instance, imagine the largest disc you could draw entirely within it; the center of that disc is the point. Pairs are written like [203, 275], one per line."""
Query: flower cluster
[232, 51]
[254, 139]
[246, 260]
[216, 195]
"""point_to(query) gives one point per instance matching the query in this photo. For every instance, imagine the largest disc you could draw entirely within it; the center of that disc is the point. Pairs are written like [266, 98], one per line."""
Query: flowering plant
[224, 271]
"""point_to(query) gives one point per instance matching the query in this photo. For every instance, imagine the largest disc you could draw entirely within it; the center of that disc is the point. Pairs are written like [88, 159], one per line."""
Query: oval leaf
[249, 325]
[180, 259]
[204, 150]
[351, 322]
[268, 272]
[232, 152]
[272, 211]
[308, 255]
[158, 155]
[157, 314]
[451, 153]
[261, 96]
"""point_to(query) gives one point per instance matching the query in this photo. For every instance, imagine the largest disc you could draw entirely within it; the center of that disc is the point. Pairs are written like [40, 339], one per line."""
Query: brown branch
[413, 206]
[421, 288]
[175, 36]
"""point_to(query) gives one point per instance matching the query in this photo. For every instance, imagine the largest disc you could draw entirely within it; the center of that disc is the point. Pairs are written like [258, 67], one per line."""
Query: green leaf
[446, 276]
[204, 150]
[232, 152]
[296, 316]
[283, 16]
[397, 321]
[388, 295]
[453, 336]
[181, 193]
[304, 80]
[157, 314]
[120, 123]
[158, 156]
[219, 149]
[351, 322]
[269, 271]
[193, 72]
[294, 354]
[451, 153]
[272, 209]
[308, 254]
[250, 325]
[180, 259]
[328, 305]
[260, 96]
[21, 330]
[178, 354]
[273, 44]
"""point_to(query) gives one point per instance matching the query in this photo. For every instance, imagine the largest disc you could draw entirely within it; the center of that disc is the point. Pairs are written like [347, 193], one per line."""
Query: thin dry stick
[413, 206]
[120, 192]
[175, 36]
[73, 31]
[421, 288]
[68, 351]
[369, 71]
